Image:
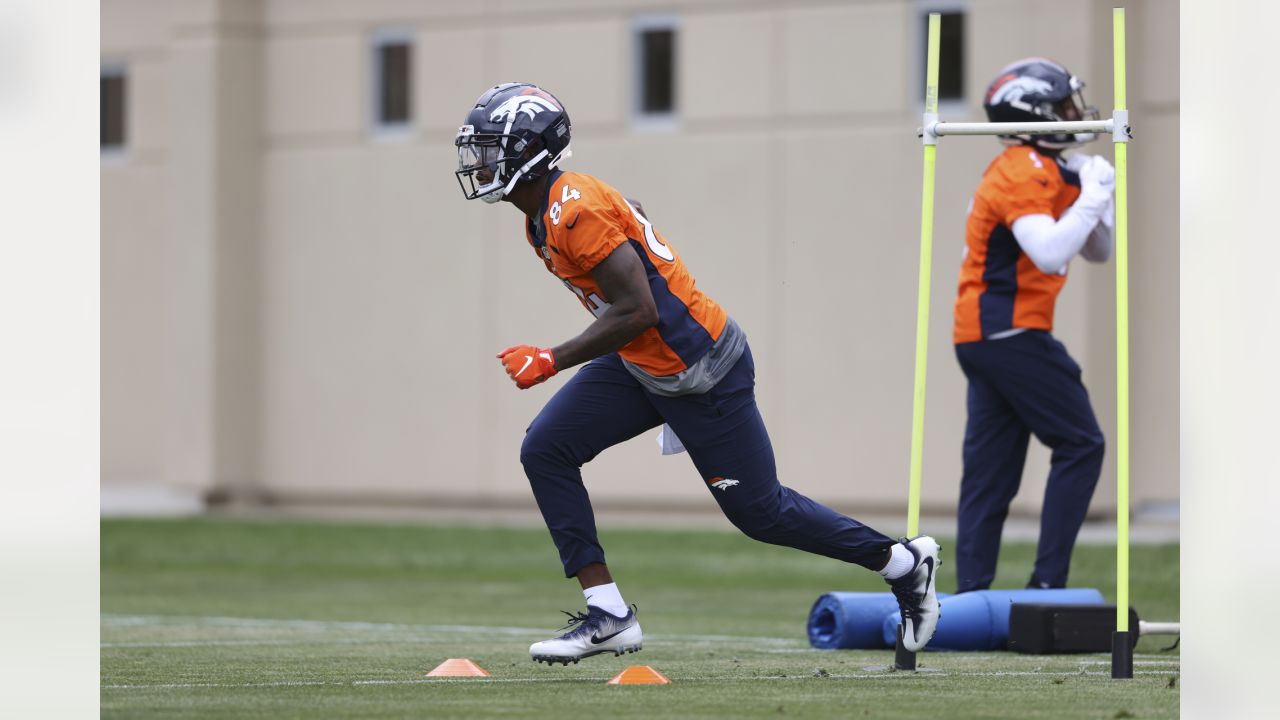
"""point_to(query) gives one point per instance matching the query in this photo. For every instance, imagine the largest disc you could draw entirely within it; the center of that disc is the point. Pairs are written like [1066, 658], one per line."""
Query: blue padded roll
[979, 620]
[840, 620]
[843, 620]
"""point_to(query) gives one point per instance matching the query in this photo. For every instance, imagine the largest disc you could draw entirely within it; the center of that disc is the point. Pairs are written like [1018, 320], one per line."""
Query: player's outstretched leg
[591, 633]
[916, 593]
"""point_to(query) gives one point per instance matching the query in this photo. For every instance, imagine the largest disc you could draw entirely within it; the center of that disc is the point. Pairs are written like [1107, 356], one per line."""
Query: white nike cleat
[917, 599]
[590, 633]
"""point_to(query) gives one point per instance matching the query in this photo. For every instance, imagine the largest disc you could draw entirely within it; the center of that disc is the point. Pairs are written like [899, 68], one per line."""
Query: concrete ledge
[149, 501]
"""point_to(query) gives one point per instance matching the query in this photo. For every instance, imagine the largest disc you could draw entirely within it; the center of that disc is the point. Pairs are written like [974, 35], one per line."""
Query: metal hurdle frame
[1118, 127]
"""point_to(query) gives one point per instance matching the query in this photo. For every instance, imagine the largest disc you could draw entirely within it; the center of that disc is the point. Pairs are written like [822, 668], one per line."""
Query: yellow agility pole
[903, 658]
[926, 266]
[1121, 647]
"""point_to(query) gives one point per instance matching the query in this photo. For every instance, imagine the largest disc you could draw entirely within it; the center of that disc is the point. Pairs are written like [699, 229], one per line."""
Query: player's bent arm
[623, 281]
[1102, 238]
[1050, 244]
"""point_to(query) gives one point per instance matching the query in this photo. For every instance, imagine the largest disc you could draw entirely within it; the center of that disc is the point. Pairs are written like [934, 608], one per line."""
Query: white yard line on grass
[198, 643]
[1135, 662]
[484, 681]
[295, 624]
[439, 633]
[270, 643]
[426, 633]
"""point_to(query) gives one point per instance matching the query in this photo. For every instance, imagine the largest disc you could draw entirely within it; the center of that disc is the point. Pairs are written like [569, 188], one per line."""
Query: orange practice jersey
[1000, 287]
[585, 220]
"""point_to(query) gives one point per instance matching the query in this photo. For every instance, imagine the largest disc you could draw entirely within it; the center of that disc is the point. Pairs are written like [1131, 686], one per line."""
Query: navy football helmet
[516, 133]
[1038, 90]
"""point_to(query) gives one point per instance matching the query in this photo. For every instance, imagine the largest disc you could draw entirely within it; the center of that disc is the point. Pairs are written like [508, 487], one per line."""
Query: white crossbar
[1027, 128]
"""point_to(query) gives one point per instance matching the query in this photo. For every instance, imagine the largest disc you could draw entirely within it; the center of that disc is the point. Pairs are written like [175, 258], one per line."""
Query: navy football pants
[1021, 385]
[603, 405]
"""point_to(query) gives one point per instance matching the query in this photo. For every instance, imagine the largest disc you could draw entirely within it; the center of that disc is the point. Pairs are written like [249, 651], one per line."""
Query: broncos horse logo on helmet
[1038, 90]
[1010, 89]
[517, 132]
[530, 105]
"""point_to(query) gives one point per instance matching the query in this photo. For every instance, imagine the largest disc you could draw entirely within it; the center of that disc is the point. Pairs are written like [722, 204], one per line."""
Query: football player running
[1033, 212]
[659, 352]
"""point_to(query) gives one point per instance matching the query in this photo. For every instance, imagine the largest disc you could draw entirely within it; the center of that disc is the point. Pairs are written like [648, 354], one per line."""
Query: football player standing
[1033, 212]
[659, 352]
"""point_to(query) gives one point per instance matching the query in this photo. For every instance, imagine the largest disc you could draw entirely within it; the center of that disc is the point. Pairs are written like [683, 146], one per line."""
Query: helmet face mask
[1039, 90]
[516, 133]
[483, 162]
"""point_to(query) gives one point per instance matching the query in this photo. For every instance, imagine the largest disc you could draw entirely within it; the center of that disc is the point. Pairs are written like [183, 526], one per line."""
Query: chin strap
[511, 184]
[565, 154]
[494, 196]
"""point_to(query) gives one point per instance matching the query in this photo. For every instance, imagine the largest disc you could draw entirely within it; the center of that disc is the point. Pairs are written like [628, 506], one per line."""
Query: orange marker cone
[458, 667]
[639, 675]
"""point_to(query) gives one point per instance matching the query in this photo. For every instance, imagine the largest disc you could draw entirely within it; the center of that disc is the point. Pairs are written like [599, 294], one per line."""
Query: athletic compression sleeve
[1098, 247]
[1051, 245]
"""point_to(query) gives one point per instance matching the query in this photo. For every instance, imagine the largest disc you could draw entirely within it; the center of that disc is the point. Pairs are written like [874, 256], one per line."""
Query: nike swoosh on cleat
[527, 359]
[596, 639]
[928, 579]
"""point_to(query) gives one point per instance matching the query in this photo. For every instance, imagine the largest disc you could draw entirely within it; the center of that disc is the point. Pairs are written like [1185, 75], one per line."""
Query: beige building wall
[297, 308]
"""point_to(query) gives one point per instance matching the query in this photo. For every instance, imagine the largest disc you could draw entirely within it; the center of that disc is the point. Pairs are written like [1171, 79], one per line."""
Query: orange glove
[528, 365]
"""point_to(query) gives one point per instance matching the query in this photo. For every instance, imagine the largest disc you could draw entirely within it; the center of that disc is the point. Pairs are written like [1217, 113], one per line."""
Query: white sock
[901, 562]
[608, 599]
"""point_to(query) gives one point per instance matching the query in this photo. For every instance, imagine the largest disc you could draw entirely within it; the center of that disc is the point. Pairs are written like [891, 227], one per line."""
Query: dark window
[111, 103]
[657, 71]
[395, 62]
[950, 55]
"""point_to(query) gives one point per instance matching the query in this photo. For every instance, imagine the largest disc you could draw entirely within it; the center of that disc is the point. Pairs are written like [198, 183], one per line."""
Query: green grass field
[242, 619]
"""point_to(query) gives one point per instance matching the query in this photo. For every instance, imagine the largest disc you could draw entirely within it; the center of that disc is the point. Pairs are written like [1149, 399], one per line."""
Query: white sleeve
[1097, 248]
[1049, 244]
